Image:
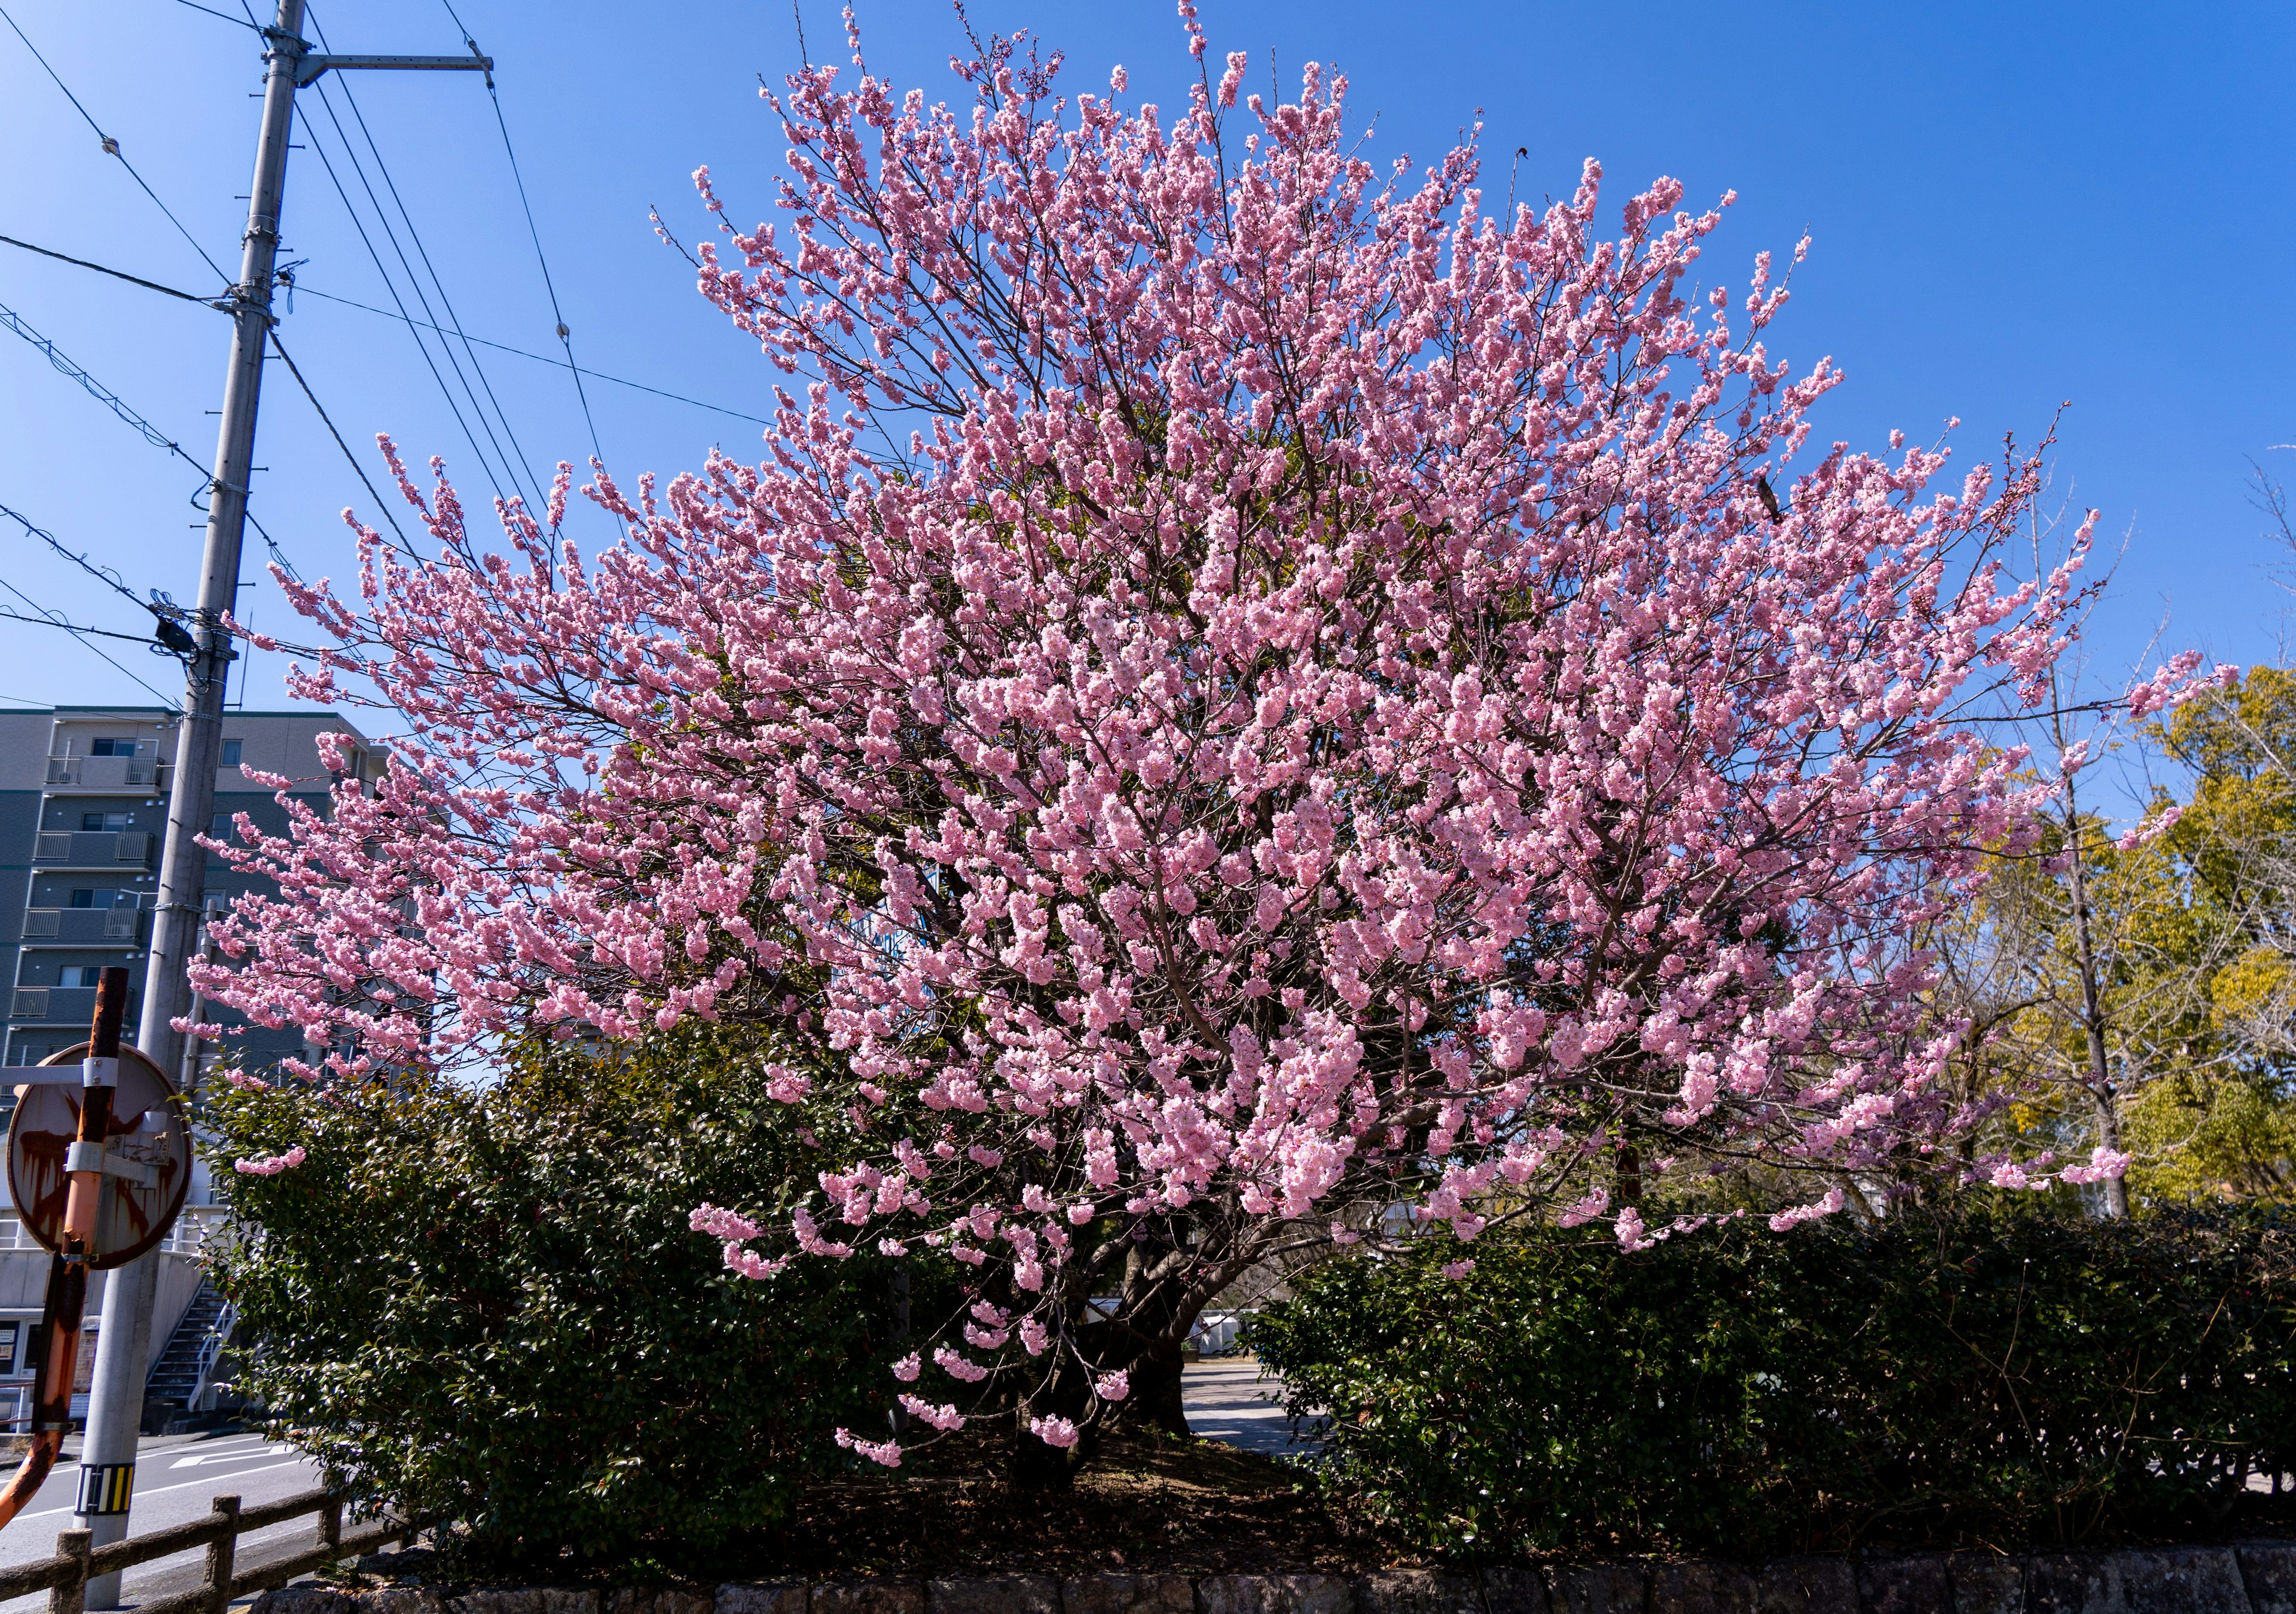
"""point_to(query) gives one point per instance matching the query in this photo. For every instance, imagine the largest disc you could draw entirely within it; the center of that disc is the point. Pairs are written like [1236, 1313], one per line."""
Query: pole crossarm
[309, 68]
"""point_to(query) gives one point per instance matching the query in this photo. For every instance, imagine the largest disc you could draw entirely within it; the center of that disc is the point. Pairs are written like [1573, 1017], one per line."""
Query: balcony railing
[62, 1006]
[85, 927]
[103, 773]
[196, 1230]
[94, 848]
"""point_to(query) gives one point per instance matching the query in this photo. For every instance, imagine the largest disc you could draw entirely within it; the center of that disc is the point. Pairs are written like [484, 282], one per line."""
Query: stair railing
[203, 1388]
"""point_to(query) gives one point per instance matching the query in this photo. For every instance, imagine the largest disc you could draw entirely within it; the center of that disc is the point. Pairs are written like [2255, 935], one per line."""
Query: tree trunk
[1630, 1177]
[1037, 1466]
[1155, 1400]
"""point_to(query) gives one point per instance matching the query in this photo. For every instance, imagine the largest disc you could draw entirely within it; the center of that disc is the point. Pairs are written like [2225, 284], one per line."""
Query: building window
[104, 821]
[112, 748]
[8, 1348]
[231, 753]
[103, 899]
[81, 975]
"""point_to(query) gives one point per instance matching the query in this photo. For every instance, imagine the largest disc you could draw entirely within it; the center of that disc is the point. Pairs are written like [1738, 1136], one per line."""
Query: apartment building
[83, 812]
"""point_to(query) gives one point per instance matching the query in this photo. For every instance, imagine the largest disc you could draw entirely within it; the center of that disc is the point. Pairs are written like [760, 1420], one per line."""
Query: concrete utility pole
[115, 1413]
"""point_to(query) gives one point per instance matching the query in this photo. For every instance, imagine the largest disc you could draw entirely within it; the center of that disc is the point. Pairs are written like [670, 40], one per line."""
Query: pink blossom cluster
[270, 1165]
[1244, 686]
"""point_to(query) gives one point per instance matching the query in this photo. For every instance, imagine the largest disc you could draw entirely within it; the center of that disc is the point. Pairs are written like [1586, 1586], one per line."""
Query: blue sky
[2012, 206]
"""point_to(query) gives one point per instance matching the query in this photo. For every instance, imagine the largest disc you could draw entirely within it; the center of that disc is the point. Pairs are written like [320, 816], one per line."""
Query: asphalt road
[1227, 1400]
[177, 1478]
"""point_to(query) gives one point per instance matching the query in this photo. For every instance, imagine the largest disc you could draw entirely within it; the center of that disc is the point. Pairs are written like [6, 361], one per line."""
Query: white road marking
[186, 1485]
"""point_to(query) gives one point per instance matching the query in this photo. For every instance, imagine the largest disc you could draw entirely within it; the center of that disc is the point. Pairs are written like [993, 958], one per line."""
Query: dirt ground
[1149, 1502]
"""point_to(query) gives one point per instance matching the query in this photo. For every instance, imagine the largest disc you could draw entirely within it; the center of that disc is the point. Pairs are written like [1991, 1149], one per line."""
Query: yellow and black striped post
[104, 1487]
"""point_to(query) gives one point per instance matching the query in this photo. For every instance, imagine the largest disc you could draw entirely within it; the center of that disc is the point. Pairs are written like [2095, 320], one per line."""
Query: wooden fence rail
[65, 1577]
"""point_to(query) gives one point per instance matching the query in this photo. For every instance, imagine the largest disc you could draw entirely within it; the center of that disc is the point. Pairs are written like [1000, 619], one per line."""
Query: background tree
[1245, 693]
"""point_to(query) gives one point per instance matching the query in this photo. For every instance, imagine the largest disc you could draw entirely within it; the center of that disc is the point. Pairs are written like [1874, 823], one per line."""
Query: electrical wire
[150, 433]
[104, 575]
[71, 628]
[520, 467]
[296, 371]
[321, 409]
[454, 407]
[57, 620]
[539, 359]
[226, 16]
[132, 280]
[565, 334]
[111, 147]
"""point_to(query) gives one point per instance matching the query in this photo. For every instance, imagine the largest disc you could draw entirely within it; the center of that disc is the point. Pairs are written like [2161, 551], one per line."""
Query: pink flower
[1631, 1237]
[1113, 1387]
[1058, 749]
[1053, 1432]
[1455, 1270]
[2103, 1165]
[886, 1453]
[271, 1165]
[943, 1418]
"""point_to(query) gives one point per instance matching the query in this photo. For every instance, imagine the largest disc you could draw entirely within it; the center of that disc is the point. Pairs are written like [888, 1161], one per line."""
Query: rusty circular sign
[147, 1159]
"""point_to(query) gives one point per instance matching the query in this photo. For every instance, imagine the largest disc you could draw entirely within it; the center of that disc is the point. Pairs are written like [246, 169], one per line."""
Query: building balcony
[112, 773]
[84, 927]
[95, 849]
[60, 1006]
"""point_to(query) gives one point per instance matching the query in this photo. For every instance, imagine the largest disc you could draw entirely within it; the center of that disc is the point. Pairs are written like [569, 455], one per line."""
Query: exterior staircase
[178, 1377]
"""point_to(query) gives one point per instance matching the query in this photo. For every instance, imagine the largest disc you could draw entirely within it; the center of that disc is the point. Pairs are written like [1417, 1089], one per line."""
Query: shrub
[489, 1301]
[1978, 1374]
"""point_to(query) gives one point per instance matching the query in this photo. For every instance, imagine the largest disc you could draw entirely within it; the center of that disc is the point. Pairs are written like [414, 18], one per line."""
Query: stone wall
[2252, 1577]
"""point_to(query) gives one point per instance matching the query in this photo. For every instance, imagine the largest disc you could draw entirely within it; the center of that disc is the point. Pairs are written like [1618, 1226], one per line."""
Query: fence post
[219, 1555]
[331, 1521]
[71, 1596]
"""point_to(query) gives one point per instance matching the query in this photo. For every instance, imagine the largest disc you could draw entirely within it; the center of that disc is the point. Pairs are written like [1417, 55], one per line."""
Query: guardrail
[65, 1577]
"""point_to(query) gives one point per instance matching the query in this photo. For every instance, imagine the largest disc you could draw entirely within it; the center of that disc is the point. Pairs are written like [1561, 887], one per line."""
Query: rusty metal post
[71, 1596]
[67, 1297]
[220, 1552]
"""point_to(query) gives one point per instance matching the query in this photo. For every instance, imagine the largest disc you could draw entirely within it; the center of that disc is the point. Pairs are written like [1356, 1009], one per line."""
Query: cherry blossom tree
[1249, 702]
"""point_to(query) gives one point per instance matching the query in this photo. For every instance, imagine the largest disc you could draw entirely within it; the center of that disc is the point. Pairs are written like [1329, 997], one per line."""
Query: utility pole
[115, 1413]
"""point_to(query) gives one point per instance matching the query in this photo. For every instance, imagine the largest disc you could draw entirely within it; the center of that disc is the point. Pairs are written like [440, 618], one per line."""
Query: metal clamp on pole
[83, 1156]
[100, 1072]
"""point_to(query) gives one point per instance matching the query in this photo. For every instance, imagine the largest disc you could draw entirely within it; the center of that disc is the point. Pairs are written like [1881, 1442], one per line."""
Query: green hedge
[1989, 1375]
[489, 1301]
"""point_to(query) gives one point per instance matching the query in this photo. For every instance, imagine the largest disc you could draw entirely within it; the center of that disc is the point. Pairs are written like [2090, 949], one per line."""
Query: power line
[111, 147]
[226, 16]
[56, 620]
[71, 628]
[539, 359]
[454, 408]
[514, 460]
[132, 280]
[565, 335]
[295, 286]
[96, 389]
[519, 467]
[149, 432]
[104, 575]
[296, 371]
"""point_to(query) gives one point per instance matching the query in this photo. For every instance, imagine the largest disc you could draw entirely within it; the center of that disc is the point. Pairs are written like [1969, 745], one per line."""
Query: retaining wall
[2250, 1578]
